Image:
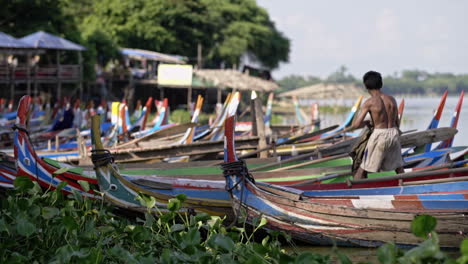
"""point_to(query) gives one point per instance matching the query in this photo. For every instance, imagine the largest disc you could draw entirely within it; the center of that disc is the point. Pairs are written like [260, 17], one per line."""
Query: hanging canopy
[151, 55]
[9, 42]
[235, 80]
[326, 90]
[44, 40]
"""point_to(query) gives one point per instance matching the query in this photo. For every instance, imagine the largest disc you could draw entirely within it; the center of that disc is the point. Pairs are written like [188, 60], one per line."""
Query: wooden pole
[161, 93]
[260, 127]
[80, 77]
[59, 81]
[12, 81]
[199, 56]
[28, 73]
[253, 117]
[218, 96]
[36, 92]
[189, 97]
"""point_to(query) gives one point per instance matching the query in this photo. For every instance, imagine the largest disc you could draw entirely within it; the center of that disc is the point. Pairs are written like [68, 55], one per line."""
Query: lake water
[417, 114]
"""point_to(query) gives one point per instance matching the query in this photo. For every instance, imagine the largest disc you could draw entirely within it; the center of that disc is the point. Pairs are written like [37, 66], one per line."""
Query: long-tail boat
[36, 168]
[352, 220]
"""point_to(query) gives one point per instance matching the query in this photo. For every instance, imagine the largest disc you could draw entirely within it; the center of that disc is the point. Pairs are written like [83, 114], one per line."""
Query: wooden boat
[7, 171]
[122, 190]
[352, 220]
[30, 165]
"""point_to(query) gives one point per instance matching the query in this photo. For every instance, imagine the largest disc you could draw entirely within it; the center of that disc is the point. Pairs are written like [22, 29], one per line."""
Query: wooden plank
[196, 148]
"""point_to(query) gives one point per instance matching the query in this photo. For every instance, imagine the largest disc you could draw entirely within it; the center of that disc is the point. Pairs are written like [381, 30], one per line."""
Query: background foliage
[406, 82]
[226, 30]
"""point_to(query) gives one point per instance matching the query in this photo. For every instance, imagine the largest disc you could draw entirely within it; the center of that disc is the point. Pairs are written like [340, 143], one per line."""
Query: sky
[386, 36]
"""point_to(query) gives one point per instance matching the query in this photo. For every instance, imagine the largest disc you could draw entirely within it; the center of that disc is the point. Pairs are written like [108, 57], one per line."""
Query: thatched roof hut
[326, 90]
[235, 80]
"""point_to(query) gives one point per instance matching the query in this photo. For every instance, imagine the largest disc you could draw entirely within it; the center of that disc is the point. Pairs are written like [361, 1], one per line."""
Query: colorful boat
[34, 167]
[350, 220]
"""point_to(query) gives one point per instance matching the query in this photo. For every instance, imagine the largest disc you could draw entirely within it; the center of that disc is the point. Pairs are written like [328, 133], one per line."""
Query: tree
[226, 29]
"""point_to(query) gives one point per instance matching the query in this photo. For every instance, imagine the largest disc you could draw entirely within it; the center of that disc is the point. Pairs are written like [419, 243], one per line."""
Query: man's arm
[359, 120]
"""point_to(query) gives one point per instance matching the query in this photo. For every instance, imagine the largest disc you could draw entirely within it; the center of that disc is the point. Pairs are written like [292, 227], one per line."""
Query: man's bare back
[383, 150]
[383, 110]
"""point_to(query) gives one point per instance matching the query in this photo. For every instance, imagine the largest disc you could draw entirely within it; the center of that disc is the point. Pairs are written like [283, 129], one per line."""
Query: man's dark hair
[372, 80]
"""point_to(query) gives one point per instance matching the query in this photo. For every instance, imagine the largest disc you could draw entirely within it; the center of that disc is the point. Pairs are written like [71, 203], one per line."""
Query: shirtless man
[383, 150]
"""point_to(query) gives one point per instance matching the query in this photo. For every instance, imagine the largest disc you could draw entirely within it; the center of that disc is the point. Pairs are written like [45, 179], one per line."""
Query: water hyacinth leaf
[174, 204]
[263, 222]
[129, 228]
[265, 241]
[182, 197]
[202, 217]
[61, 185]
[177, 228]
[254, 259]
[387, 254]
[343, 258]
[146, 200]
[84, 185]
[49, 212]
[23, 184]
[36, 189]
[25, 228]
[60, 171]
[123, 255]
[224, 242]
[260, 249]
[69, 223]
[77, 196]
[192, 237]
[464, 247]
[423, 225]
[4, 226]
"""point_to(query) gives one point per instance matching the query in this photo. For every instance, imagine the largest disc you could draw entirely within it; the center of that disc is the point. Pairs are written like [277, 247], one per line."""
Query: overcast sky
[387, 36]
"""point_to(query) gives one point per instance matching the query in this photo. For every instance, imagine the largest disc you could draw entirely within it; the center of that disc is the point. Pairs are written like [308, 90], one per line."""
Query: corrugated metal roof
[151, 55]
[44, 40]
[9, 42]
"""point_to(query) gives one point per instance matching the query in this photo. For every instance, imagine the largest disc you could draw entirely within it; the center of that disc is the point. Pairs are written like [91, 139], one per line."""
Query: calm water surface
[417, 114]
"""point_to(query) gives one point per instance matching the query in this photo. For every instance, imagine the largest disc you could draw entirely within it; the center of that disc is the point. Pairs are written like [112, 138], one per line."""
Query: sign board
[175, 75]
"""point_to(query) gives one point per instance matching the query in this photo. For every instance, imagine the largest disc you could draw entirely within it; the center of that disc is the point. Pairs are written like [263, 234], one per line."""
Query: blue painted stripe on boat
[427, 188]
[442, 197]
[3, 179]
[57, 155]
[445, 204]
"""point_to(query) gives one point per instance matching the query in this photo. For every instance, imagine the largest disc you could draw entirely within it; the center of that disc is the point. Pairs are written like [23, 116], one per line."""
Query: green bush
[180, 116]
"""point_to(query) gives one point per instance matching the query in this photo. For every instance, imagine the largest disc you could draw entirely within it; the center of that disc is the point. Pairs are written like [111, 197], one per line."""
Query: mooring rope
[103, 158]
[237, 168]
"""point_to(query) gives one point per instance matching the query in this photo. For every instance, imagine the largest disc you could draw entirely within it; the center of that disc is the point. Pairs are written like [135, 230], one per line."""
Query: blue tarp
[44, 40]
[9, 42]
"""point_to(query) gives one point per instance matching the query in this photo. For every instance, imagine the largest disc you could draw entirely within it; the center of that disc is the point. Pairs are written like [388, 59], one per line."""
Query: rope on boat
[101, 157]
[238, 169]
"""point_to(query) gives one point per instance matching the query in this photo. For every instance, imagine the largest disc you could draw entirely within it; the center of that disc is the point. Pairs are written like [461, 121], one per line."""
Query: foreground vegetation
[39, 226]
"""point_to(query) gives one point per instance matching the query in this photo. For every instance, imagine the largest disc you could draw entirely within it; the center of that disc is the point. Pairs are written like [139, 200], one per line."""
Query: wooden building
[44, 63]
